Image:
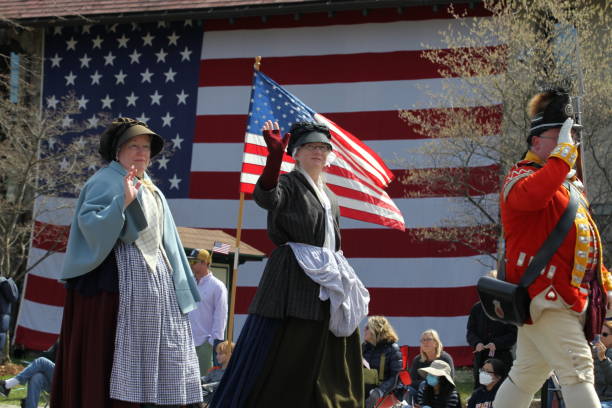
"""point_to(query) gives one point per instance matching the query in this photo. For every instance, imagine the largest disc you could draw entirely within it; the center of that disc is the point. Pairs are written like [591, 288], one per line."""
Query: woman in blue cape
[125, 339]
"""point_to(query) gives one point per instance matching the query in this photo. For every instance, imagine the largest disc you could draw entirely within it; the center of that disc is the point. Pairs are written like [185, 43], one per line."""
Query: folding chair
[551, 393]
[404, 374]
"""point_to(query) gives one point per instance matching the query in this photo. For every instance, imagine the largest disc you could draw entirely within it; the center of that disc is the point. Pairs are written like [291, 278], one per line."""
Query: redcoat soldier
[574, 284]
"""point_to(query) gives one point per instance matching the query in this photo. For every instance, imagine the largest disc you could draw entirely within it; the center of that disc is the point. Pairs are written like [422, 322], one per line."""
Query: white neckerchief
[149, 239]
[319, 189]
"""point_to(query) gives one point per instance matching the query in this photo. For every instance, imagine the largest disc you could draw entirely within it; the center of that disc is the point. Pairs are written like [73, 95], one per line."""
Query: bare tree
[496, 64]
[44, 155]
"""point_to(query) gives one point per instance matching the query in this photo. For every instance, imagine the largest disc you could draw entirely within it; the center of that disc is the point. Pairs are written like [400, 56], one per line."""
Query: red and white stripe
[357, 71]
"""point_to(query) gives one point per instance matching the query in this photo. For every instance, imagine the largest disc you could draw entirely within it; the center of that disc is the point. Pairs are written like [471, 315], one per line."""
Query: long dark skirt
[292, 362]
[85, 355]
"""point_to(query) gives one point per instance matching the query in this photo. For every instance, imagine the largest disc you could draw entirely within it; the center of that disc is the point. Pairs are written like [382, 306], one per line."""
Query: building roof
[24, 9]
[66, 11]
[205, 238]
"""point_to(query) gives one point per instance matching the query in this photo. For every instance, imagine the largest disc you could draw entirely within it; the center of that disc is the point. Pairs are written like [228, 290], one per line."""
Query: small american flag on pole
[221, 247]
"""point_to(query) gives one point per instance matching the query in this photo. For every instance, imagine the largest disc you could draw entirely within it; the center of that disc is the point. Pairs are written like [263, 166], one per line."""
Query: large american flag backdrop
[191, 82]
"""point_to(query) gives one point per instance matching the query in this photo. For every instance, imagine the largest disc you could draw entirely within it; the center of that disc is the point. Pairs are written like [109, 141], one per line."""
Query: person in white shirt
[209, 319]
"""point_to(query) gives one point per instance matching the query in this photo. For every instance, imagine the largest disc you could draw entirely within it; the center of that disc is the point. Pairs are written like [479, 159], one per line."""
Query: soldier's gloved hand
[565, 134]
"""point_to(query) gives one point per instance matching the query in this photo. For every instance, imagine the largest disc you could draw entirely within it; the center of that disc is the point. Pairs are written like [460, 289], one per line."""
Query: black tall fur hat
[548, 110]
[120, 131]
[307, 132]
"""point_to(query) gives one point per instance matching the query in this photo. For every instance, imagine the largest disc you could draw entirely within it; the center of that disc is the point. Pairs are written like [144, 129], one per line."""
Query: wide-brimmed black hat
[307, 132]
[120, 131]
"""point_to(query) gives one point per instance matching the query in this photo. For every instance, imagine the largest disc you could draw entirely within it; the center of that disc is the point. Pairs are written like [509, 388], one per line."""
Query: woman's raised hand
[276, 148]
[272, 136]
[129, 189]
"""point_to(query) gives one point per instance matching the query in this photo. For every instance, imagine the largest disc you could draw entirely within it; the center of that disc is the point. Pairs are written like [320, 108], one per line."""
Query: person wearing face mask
[488, 338]
[602, 351]
[438, 389]
[491, 375]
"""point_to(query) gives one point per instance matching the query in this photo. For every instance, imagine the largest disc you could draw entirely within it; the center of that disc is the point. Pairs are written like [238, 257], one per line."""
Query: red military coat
[533, 199]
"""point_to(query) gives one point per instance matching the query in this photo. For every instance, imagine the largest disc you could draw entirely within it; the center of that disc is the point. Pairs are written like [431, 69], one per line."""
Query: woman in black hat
[125, 338]
[300, 344]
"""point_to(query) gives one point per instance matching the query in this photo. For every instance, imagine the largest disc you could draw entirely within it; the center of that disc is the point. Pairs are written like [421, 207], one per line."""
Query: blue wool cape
[100, 220]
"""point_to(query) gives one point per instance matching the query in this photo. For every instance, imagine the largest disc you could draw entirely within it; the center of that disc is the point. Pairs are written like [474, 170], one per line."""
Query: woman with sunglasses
[491, 376]
[431, 348]
[602, 350]
[299, 346]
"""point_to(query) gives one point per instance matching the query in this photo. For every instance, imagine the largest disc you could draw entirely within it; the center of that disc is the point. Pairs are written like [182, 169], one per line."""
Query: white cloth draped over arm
[348, 297]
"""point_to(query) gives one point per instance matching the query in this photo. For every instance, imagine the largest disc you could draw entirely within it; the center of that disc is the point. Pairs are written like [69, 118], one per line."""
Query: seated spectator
[602, 359]
[491, 376]
[37, 375]
[224, 351]
[489, 339]
[210, 382]
[431, 349]
[382, 353]
[438, 389]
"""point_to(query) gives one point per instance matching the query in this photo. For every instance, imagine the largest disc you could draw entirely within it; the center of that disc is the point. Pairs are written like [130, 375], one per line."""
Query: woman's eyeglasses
[605, 334]
[322, 148]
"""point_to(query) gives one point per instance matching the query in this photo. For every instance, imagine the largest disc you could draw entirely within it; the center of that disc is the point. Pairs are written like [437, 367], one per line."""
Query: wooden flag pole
[232, 305]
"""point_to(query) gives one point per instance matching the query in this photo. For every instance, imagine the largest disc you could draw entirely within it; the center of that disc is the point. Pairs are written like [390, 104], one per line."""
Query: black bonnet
[300, 132]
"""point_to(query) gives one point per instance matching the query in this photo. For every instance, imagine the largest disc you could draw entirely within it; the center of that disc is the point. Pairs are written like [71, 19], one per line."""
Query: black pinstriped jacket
[294, 215]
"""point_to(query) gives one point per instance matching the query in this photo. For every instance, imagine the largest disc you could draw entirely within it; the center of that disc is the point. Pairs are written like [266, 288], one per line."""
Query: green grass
[18, 393]
[464, 383]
